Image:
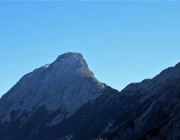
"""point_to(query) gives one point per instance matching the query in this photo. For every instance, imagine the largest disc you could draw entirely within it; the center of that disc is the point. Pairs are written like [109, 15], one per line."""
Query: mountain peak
[63, 100]
[72, 58]
[75, 62]
[66, 83]
[68, 55]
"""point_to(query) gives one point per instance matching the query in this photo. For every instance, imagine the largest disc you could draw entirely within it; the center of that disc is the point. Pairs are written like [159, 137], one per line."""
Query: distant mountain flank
[64, 101]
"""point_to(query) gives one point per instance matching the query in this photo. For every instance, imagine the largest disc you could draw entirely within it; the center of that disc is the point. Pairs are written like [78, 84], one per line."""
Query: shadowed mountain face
[64, 101]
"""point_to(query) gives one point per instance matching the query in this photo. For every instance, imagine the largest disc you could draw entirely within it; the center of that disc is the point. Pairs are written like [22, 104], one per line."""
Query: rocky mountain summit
[64, 101]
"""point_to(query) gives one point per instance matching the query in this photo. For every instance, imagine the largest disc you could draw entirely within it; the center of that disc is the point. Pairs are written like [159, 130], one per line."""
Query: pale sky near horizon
[122, 42]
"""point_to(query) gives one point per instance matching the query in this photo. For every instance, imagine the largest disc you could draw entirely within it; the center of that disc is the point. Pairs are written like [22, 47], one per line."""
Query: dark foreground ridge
[64, 101]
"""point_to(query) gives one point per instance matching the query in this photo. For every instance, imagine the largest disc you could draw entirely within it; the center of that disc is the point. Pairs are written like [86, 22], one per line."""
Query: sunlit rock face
[65, 84]
[64, 101]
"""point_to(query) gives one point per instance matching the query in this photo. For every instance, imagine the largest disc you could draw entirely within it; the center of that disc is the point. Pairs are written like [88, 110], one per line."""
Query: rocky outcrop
[64, 85]
[155, 106]
[64, 101]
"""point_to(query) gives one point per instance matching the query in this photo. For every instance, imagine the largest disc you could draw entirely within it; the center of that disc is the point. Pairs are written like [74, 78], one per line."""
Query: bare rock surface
[64, 101]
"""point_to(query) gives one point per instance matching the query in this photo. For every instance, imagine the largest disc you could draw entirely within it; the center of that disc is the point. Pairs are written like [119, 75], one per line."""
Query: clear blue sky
[122, 42]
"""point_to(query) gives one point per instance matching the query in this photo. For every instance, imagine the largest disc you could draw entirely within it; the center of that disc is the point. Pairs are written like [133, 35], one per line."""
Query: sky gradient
[122, 42]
